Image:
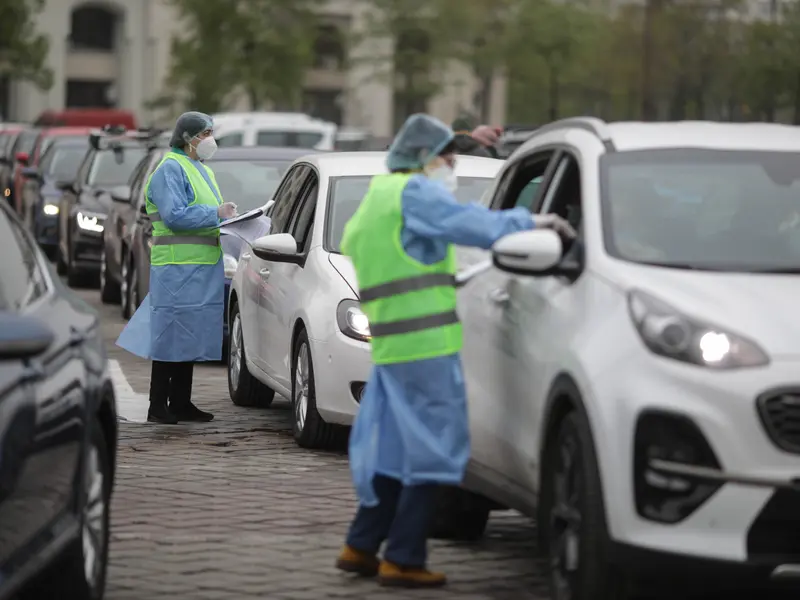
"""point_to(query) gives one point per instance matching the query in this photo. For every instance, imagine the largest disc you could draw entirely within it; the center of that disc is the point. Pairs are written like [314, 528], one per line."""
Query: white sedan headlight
[230, 264]
[352, 321]
[670, 334]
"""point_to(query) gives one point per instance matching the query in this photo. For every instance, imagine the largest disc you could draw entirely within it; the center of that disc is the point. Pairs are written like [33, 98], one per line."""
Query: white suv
[637, 391]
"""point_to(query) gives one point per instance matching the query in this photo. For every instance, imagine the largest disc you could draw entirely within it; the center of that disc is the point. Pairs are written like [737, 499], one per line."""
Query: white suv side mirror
[528, 252]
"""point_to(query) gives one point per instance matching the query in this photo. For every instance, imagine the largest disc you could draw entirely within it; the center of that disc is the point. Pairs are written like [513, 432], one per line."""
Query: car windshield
[114, 167]
[48, 141]
[703, 209]
[26, 141]
[346, 194]
[248, 183]
[61, 162]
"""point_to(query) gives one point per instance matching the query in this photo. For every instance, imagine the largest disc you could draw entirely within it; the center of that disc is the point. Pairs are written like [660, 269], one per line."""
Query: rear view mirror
[23, 337]
[528, 252]
[121, 193]
[22, 158]
[278, 247]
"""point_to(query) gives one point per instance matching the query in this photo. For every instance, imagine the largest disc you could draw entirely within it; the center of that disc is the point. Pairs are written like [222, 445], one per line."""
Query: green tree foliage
[23, 51]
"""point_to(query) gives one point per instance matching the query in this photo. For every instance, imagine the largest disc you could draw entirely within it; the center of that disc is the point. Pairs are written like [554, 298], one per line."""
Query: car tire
[74, 575]
[109, 290]
[572, 521]
[460, 515]
[308, 427]
[244, 389]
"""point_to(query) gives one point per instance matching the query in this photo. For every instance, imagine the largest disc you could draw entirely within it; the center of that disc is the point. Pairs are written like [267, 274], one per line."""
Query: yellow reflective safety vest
[411, 306]
[195, 247]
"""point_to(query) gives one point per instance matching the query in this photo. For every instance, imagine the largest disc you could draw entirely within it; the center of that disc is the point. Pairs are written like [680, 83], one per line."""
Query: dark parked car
[42, 195]
[58, 431]
[120, 224]
[247, 176]
[18, 154]
[85, 202]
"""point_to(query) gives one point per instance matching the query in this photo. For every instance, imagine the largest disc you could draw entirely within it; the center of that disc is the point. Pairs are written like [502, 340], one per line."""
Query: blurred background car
[8, 135]
[296, 325]
[87, 117]
[273, 129]
[42, 195]
[349, 139]
[246, 176]
[29, 172]
[85, 202]
[58, 430]
[20, 153]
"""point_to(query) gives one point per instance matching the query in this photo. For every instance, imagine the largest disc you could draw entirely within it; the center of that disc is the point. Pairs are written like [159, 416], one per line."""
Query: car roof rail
[593, 125]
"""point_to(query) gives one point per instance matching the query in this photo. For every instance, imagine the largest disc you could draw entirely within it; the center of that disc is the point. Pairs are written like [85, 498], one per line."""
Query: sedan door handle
[264, 273]
[245, 256]
[499, 296]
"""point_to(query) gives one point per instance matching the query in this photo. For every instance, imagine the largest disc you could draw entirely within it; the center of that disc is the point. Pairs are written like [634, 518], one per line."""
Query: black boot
[189, 412]
[159, 413]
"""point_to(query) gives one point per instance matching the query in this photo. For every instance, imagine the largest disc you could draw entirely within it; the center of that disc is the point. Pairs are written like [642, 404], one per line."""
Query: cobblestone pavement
[234, 510]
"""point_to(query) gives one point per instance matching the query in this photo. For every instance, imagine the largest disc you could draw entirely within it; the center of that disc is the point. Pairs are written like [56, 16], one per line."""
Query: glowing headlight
[50, 210]
[89, 222]
[352, 321]
[671, 334]
[230, 265]
[7, 192]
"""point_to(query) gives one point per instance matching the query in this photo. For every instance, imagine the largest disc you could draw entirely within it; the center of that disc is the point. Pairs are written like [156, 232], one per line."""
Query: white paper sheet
[250, 214]
[249, 230]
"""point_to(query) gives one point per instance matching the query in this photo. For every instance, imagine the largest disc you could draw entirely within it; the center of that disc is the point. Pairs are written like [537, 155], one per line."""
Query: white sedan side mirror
[278, 247]
[528, 252]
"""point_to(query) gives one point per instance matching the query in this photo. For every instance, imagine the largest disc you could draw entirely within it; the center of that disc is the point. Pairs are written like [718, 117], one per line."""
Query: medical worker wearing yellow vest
[180, 320]
[411, 432]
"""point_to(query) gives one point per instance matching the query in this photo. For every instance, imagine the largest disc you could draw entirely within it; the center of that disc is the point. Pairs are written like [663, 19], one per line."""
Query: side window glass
[563, 196]
[285, 198]
[521, 185]
[303, 217]
[271, 138]
[230, 140]
[21, 278]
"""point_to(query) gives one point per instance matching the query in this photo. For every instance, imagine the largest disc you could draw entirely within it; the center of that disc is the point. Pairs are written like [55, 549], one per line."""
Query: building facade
[116, 53]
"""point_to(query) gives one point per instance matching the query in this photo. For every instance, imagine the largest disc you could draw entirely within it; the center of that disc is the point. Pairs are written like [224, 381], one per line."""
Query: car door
[285, 291]
[120, 219]
[270, 296]
[47, 480]
[489, 352]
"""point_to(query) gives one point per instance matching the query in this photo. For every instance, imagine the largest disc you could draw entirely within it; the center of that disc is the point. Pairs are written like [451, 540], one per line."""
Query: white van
[286, 130]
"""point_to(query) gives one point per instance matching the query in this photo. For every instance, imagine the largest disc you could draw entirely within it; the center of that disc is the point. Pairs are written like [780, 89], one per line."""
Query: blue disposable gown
[412, 424]
[180, 319]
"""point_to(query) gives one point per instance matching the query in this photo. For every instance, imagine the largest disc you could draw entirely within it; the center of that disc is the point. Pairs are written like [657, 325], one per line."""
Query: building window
[323, 104]
[93, 28]
[329, 48]
[89, 94]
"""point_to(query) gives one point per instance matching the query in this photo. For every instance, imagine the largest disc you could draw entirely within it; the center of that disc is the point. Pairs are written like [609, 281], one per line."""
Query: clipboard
[248, 216]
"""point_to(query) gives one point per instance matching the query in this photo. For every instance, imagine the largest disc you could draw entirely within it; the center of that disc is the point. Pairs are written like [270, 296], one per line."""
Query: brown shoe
[392, 575]
[360, 563]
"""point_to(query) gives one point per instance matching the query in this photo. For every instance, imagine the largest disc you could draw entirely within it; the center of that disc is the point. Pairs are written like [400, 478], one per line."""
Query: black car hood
[94, 200]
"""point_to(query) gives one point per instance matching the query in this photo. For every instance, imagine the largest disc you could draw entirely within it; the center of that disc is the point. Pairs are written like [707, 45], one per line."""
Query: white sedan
[296, 325]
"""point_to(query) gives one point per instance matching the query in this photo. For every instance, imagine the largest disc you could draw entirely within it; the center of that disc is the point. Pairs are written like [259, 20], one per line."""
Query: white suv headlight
[90, 222]
[670, 334]
[230, 264]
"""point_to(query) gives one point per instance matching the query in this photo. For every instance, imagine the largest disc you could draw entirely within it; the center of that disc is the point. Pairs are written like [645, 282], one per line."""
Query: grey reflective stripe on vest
[200, 240]
[154, 217]
[410, 325]
[409, 284]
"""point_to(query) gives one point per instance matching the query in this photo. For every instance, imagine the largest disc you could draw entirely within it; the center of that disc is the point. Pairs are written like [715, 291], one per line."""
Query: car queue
[635, 390]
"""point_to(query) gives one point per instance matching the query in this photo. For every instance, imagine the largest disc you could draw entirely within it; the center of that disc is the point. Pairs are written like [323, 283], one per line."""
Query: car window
[300, 225]
[111, 167]
[62, 162]
[230, 140]
[288, 139]
[563, 194]
[248, 183]
[285, 198]
[520, 184]
[346, 194]
[25, 142]
[21, 278]
[716, 210]
[49, 141]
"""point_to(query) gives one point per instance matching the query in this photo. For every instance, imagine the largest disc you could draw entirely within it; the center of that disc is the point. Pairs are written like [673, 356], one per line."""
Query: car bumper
[749, 512]
[46, 230]
[341, 369]
[87, 248]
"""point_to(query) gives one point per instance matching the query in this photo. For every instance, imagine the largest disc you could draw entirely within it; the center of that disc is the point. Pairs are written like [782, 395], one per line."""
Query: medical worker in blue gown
[411, 432]
[180, 320]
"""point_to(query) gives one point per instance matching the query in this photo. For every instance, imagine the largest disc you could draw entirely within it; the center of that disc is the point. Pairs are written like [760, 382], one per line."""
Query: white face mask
[445, 175]
[206, 148]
